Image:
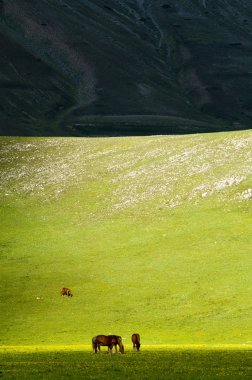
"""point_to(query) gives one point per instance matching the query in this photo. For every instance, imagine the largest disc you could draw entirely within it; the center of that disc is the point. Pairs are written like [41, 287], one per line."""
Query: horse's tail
[121, 346]
[94, 344]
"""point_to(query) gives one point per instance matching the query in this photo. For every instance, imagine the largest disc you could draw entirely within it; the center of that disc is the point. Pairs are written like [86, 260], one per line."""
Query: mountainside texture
[124, 67]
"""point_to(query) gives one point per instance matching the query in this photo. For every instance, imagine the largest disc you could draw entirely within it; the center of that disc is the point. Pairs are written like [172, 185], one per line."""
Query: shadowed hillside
[120, 67]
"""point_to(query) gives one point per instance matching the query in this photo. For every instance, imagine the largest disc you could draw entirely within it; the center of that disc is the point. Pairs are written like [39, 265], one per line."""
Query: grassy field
[162, 363]
[152, 234]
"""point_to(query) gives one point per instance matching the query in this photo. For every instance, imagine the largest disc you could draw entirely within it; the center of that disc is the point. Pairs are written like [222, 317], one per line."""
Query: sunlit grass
[126, 224]
[128, 348]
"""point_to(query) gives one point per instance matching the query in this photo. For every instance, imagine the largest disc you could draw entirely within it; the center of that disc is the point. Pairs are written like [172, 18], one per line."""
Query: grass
[152, 234]
[158, 363]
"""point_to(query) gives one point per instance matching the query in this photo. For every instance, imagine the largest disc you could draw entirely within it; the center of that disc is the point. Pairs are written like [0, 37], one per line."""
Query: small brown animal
[66, 292]
[136, 341]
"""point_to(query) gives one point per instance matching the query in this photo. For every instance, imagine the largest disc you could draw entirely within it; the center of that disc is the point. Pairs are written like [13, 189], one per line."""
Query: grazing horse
[136, 341]
[66, 292]
[107, 340]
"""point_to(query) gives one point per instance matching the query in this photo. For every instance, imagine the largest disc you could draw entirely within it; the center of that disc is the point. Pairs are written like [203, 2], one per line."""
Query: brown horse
[66, 292]
[136, 341]
[107, 340]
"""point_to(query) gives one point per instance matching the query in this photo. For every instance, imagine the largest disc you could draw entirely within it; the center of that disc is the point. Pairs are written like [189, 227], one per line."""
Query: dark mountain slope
[80, 67]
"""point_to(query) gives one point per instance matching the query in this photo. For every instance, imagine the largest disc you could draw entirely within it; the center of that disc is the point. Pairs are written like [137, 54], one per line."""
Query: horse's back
[103, 340]
[135, 338]
[66, 292]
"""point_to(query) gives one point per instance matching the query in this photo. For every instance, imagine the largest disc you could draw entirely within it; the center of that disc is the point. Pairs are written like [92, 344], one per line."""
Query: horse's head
[121, 348]
[120, 344]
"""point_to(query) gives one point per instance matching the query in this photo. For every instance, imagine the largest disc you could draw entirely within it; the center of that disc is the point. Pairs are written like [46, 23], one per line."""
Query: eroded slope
[103, 68]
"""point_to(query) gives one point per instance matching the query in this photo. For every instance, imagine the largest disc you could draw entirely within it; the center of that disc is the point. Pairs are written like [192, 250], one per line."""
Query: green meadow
[151, 234]
[160, 363]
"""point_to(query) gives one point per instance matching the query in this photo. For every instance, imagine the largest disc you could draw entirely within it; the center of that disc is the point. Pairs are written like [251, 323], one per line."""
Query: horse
[107, 340]
[66, 292]
[136, 341]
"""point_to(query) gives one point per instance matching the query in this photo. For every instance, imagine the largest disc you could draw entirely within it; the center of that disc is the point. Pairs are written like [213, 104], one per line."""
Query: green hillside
[152, 234]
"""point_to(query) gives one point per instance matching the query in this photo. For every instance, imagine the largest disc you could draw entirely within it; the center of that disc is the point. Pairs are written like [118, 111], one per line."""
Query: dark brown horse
[107, 340]
[66, 292]
[136, 341]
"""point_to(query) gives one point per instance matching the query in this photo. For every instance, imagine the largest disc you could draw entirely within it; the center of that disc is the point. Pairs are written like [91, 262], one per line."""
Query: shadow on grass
[181, 364]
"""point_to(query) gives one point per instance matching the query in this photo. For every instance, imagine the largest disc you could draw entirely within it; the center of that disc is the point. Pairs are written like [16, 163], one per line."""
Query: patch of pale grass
[128, 347]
